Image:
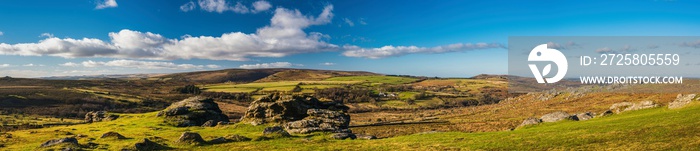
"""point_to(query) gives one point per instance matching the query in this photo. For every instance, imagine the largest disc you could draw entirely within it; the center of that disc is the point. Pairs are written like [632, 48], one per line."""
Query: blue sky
[428, 38]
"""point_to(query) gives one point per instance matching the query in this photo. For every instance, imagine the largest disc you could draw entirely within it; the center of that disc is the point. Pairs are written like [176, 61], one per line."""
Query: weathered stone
[209, 123]
[365, 137]
[147, 145]
[285, 108]
[343, 136]
[275, 130]
[583, 116]
[530, 121]
[193, 111]
[606, 113]
[620, 107]
[229, 138]
[112, 135]
[320, 120]
[681, 100]
[190, 137]
[69, 140]
[99, 116]
[554, 117]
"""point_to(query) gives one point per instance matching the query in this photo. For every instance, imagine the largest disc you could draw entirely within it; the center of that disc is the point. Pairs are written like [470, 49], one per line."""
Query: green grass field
[375, 79]
[651, 129]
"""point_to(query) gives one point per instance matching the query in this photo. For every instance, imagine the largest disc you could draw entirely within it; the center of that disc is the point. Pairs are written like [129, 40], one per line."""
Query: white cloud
[212, 66]
[47, 35]
[327, 63]
[33, 65]
[391, 51]
[214, 5]
[284, 36]
[221, 6]
[349, 22]
[69, 64]
[138, 64]
[260, 6]
[362, 21]
[106, 4]
[267, 65]
[187, 6]
[1, 33]
[4, 65]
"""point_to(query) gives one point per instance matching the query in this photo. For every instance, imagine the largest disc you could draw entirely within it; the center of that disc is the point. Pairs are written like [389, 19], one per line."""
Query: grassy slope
[657, 129]
[375, 79]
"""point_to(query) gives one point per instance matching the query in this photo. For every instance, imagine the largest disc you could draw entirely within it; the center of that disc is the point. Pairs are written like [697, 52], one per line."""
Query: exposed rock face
[299, 114]
[194, 111]
[112, 135]
[681, 100]
[582, 116]
[530, 121]
[285, 108]
[606, 113]
[627, 106]
[209, 123]
[69, 140]
[554, 117]
[320, 120]
[190, 137]
[99, 116]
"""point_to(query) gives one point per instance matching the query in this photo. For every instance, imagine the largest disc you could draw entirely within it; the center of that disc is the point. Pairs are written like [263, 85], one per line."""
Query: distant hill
[261, 75]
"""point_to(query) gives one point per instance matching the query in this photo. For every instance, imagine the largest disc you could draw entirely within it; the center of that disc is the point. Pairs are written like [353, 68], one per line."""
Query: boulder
[229, 138]
[193, 111]
[276, 108]
[681, 100]
[68, 140]
[147, 144]
[582, 116]
[99, 116]
[627, 106]
[620, 107]
[343, 136]
[556, 116]
[320, 120]
[606, 113]
[365, 137]
[275, 130]
[209, 123]
[112, 135]
[190, 137]
[530, 121]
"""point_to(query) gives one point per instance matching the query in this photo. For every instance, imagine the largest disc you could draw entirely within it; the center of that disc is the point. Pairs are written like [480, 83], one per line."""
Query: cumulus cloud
[349, 22]
[267, 65]
[327, 63]
[137, 64]
[624, 49]
[260, 6]
[47, 35]
[1, 33]
[4, 65]
[391, 51]
[187, 6]
[284, 36]
[106, 4]
[221, 6]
